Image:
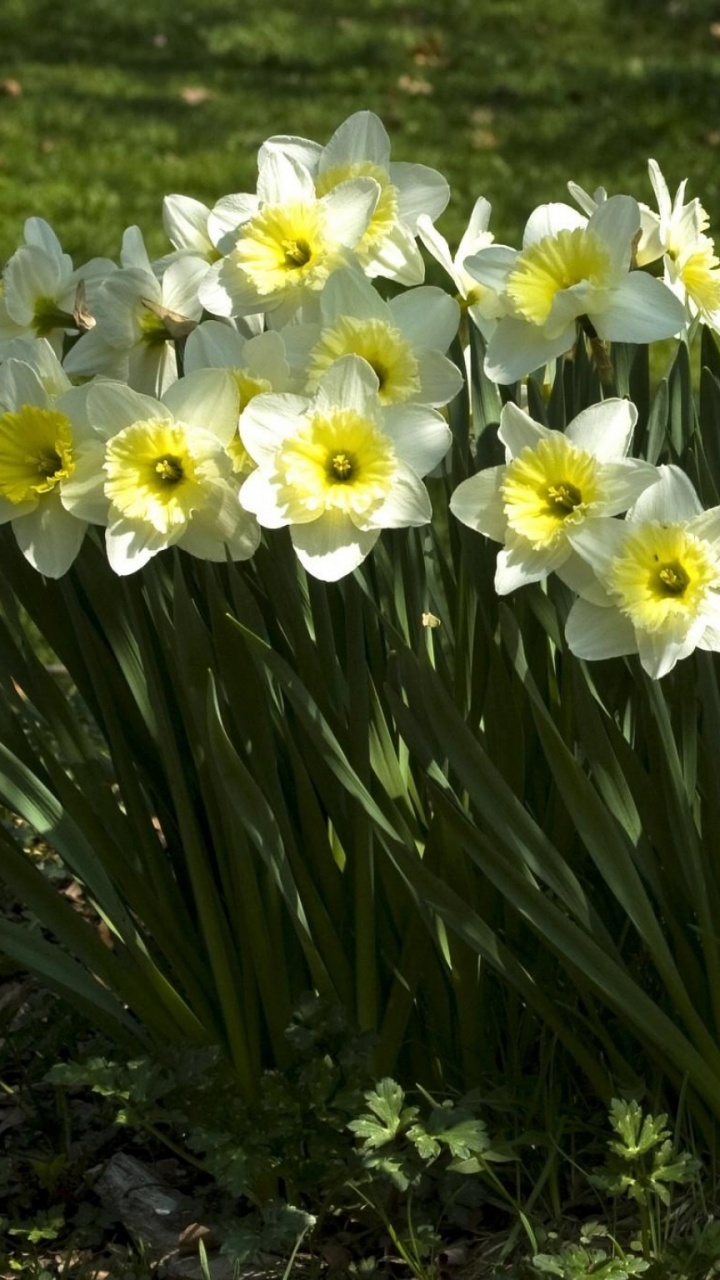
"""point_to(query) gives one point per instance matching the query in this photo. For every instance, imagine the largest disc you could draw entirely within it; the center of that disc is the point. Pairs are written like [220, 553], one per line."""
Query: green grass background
[509, 98]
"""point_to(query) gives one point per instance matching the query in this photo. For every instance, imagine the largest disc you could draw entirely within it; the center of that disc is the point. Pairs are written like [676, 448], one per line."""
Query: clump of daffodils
[284, 366]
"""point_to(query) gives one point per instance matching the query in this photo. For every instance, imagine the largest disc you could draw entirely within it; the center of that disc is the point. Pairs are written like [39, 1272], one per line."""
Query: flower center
[549, 487]
[286, 246]
[151, 474]
[337, 461]
[662, 577]
[381, 344]
[555, 263]
[36, 452]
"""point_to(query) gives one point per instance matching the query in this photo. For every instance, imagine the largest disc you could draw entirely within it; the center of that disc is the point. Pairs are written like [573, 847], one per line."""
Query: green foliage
[642, 1160]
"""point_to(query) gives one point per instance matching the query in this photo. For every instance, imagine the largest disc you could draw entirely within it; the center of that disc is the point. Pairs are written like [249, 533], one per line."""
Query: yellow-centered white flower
[571, 270]
[660, 570]
[159, 473]
[360, 148]
[42, 429]
[551, 484]
[403, 340]
[340, 467]
[281, 246]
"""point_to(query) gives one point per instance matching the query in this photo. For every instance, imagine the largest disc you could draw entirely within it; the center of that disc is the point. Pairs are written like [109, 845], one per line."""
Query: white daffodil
[572, 269]
[483, 304]
[660, 568]
[186, 226]
[360, 148]
[676, 233]
[159, 472]
[282, 245]
[257, 364]
[551, 484]
[139, 318]
[403, 340]
[339, 468]
[43, 296]
[43, 429]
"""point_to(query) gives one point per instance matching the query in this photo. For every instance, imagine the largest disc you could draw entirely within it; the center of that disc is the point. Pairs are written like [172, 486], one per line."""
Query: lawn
[106, 108]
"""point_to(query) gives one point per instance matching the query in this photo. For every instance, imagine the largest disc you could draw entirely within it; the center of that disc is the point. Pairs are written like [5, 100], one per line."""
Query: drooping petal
[332, 546]
[516, 348]
[593, 632]
[49, 537]
[639, 309]
[518, 565]
[407, 503]
[83, 493]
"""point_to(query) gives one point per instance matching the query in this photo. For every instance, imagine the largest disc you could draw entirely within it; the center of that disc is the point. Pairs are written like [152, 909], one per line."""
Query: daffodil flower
[43, 428]
[551, 484]
[660, 571]
[676, 233]
[40, 292]
[139, 316]
[483, 304]
[570, 269]
[159, 473]
[360, 148]
[339, 468]
[404, 340]
[281, 246]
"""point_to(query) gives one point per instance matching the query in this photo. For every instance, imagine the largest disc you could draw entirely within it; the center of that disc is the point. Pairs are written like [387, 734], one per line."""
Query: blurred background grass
[105, 107]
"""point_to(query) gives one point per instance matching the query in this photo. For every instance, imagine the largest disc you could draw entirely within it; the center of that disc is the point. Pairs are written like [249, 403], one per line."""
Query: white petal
[659, 653]
[39, 232]
[577, 574]
[206, 399]
[604, 429]
[673, 499]
[349, 383]
[624, 482]
[594, 632]
[112, 406]
[49, 537]
[521, 563]
[349, 207]
[129, 547]
[93, 354]
[302, 150]
[180, 285]
[227, 216]
[362, 136]
[29, 275]
[268, 420]
[407, 504]
[83, 494]
[421, 436]
[478, 503]
[397, 257]
[21, 384]
[428, 317]
[281, 179]
[599, 540]
[640, 309]
[349, 293]
[617, 222]
[519, 431]
[549, 219]
[186, 223]
[210, 535]
[214, 345]
[491, 266]
[440, 379]
[420, 191]
[516, 348]
[332, 546]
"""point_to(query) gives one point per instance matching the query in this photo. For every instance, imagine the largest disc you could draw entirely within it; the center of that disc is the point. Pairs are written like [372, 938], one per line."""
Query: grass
[106, 108]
